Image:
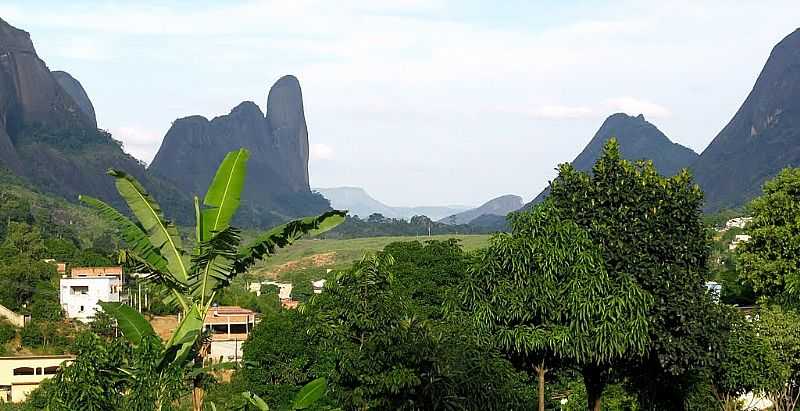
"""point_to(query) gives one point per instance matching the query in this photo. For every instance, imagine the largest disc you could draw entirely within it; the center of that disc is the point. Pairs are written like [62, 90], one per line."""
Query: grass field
[307, 258]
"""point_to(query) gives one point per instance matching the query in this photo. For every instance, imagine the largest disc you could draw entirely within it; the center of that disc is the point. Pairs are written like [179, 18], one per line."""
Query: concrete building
[80, 293]
[21, 375]
[90, 272]
[739, 238]
[229, 326]
[738, 222]
[318, 285]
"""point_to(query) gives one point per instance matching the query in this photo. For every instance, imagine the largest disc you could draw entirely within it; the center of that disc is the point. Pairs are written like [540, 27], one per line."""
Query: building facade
[80, 293]
[229, 327]
[21, 375]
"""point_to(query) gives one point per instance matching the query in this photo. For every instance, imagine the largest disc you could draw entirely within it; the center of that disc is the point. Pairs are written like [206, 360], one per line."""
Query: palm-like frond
[213, 263]
[135, 238]
[286, 234]
[163, 234]
[224, 194]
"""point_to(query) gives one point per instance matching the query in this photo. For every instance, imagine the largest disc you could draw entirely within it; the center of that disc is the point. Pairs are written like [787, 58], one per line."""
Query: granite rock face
[763, 136]
[75, 90]
[29, 93]
[49, 135]
[638, 139]
[278, 142]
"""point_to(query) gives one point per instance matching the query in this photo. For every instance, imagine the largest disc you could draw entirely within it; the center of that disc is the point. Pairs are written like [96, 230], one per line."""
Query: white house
[80, 293]
[739, 238]
[318, 285]
[738, 222]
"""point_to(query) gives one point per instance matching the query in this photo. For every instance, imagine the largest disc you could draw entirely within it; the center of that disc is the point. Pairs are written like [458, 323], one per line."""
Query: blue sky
[419, 102]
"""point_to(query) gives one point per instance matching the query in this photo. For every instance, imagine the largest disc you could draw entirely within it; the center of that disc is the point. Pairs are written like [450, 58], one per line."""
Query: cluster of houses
[80, 291]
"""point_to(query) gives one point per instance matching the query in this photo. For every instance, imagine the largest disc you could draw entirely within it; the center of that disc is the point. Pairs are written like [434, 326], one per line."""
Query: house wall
[84, 306]
[17, 320]
[15, 388]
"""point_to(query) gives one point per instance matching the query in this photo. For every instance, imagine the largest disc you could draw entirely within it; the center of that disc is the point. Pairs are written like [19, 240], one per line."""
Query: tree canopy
[649, 229]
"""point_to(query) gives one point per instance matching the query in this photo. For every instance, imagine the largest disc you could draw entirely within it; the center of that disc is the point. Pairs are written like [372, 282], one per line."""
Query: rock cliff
[638, 139]
[75, 90]
[763, 136]
[277, 177]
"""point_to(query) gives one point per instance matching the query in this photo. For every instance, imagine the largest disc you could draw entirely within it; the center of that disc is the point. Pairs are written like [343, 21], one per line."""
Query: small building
[80, 293]
[738, 222]
[284, 289]
[229, 327]
[21, 375]
[739, 238]
[88, 272]
[318, 285]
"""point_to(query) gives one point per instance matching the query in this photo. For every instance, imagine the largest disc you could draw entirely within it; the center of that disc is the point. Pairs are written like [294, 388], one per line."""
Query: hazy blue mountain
[362, 204]
[499, 206]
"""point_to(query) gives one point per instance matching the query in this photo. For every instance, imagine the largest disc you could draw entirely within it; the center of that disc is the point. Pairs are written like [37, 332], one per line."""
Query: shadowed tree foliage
[543, 295]
[384, 355]
[649, 229]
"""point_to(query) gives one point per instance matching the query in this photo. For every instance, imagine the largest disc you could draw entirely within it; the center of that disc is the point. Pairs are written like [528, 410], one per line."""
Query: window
[79, 290]
[51, 370]
[23, 371]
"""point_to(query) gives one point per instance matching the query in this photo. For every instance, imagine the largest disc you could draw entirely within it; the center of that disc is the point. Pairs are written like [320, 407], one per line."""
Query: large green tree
[386, 355]
[649, 230]
[192, 276]
[543, 294]
[770, 260]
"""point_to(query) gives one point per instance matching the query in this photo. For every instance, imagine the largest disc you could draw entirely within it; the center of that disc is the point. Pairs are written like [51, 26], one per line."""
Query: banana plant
[193, 277]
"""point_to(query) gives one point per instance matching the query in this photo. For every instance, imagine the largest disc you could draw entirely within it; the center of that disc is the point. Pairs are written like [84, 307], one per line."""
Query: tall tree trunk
[197, 398]
[198, 392]
[540, 371]
[595, 384]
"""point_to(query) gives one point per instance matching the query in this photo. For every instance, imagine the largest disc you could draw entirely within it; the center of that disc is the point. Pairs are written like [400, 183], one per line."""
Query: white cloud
[635, 106]
[320, 151]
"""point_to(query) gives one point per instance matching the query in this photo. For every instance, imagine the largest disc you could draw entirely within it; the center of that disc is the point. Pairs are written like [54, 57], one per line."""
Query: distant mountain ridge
[360, 203]
[763, 136]
[276, 187]
[638, 139]
[499, 206]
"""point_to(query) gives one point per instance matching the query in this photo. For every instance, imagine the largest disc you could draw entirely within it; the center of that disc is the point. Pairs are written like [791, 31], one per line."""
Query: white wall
[84, 306]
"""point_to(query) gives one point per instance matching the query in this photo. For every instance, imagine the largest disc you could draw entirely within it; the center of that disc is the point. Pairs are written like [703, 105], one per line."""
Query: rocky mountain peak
[638, 139]
[277, 140]
[761, 138]
[75, 90]
[15, 40]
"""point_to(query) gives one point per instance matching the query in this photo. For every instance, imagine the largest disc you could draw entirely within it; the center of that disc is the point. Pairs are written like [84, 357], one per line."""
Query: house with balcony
[229, 327]
[21, 375]
[85, 287]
